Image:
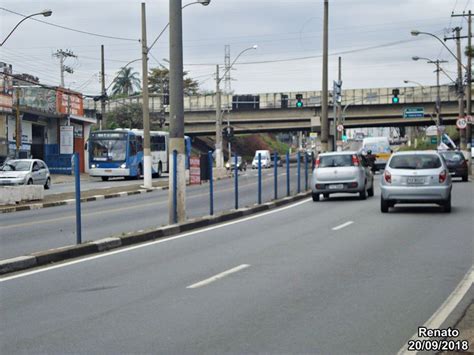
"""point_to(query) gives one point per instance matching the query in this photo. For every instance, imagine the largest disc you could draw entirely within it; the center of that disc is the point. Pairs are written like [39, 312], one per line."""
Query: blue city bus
[119, 153]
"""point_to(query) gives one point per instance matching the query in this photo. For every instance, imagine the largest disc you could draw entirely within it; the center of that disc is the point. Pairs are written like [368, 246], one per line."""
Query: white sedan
[25, 172]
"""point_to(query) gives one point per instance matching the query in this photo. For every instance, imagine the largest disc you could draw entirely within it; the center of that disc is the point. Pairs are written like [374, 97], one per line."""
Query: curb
[102, 245]
[37, 206]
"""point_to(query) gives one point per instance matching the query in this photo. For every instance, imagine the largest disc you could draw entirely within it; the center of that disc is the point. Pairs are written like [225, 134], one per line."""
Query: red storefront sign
[68, 102]
[194, 171]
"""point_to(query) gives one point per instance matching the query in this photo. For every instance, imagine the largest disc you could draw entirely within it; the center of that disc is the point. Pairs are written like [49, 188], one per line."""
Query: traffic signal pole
[146, 114]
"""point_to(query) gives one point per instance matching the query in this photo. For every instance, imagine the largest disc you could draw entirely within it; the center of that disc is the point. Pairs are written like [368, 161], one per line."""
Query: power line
[73, 29]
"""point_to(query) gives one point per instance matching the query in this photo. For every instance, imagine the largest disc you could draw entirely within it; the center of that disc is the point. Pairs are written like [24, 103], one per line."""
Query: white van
[264, 159]
[380, 147]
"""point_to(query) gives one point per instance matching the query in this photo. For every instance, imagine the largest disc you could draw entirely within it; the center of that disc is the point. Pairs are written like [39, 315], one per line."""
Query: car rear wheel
[384, 205]
[30, 182]
[465, 178]
[315, 197]
[447, 205]
[105, 178]
[370, 191]
[47, 185]
[363, 194]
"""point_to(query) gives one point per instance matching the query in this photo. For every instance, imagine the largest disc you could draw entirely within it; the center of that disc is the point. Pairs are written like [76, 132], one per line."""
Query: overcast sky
[372, 36]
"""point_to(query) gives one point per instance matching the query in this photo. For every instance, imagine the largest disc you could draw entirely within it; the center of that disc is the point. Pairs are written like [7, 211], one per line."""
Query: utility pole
[176, 140]
[324, 99]
[438, 97]
[339, 99]
[460, 84]
[227, 78]
[62, 55]
[462, 132]
[219, 153]
[18, 124]
[469, 87]
[104, 93]
[146, 113]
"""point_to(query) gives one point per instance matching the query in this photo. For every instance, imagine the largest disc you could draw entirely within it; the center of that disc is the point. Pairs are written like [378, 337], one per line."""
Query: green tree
[126, 116]
[126, 82]
[158, 82]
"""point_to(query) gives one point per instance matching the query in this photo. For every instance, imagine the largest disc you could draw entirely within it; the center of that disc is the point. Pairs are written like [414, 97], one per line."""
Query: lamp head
[415, 32]
[415, 58]
[255, 46]
[47, 13]
[406, 81]
[204, 2]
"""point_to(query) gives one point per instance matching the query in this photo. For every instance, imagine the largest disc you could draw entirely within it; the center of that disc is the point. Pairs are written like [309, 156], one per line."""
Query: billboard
[6, 87]
[38, 98]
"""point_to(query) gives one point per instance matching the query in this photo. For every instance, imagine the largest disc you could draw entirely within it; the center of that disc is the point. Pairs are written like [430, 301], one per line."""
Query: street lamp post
[219, 153]
[18, 124]
[438, 95]
[45, 13]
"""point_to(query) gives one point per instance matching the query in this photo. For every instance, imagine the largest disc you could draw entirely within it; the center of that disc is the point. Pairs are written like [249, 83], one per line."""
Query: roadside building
[50, 122]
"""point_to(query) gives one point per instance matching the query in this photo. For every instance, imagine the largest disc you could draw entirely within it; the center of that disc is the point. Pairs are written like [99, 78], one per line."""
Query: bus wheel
[160, 169]
[105, 178]
[139, 171]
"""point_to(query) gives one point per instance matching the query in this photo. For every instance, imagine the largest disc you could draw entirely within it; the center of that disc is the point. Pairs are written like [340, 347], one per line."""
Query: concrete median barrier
[11, 195]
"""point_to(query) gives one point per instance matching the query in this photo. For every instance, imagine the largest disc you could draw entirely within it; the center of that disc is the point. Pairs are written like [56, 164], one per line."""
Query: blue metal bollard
[287, 173]
[211, 184]
[77, 179]
[259, 178]
[305, 171]
[175, 186]
[236, 181]
[298, 172]
[275, 173]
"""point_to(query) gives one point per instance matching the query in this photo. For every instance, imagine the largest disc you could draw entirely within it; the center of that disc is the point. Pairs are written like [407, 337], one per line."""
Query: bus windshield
[103, 149]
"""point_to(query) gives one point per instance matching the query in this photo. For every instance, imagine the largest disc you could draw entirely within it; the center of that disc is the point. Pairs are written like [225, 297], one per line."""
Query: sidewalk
[466, 331]
[62, 178]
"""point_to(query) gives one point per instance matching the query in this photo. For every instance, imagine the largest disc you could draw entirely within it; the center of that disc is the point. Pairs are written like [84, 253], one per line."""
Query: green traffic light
[299, 104]
[395, 100]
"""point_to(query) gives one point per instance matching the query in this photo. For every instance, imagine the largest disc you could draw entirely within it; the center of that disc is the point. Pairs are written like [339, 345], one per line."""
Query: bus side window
[161, 143]
[154, 143]
[139, 144]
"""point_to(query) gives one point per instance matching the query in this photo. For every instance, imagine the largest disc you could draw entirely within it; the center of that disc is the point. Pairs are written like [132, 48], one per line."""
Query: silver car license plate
[416, 180]
[336, 187]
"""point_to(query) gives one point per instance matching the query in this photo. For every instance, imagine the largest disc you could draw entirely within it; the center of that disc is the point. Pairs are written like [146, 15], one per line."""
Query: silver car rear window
[415, 161]
[332, 161]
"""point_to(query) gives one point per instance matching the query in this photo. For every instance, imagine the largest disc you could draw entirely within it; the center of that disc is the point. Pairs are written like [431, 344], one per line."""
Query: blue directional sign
[414, 112]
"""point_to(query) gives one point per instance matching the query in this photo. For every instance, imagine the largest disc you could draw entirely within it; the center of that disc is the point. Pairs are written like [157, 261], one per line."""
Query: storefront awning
[83, 119]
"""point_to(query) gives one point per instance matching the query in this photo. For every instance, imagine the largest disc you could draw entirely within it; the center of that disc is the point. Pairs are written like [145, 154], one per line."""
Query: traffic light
[228, 132]
[166, 99]
[395, 98]
[337, 91]
[299, 100]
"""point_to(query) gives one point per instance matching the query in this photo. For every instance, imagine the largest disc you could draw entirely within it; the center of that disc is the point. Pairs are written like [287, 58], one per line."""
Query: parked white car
[25, 172]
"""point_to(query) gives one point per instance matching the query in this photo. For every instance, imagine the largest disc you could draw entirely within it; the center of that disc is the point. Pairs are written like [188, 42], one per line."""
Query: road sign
[340, 128]
[461, 123]
[414, 112]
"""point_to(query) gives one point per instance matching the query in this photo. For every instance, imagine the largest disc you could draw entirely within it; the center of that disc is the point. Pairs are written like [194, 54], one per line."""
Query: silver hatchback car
[346, 172]
[416, 177]
[25, 172]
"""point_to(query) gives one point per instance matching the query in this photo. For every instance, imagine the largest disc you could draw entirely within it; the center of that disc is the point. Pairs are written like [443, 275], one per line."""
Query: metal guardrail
[374, 96]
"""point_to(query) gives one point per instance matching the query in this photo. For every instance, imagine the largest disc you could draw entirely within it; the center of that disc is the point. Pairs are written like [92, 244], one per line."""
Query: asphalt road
[302, 279]
[29, 231]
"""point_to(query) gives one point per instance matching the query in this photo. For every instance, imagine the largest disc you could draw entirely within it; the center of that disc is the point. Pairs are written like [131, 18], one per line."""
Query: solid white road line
[218, 276]
[448, 306]
[342, 225]
[179, 236]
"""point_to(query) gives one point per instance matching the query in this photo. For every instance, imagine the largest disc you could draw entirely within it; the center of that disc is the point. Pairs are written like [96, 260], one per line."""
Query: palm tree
[125, 82]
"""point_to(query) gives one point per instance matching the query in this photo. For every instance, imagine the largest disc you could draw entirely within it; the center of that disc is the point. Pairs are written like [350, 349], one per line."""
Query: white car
[25, 172]
[416, 177]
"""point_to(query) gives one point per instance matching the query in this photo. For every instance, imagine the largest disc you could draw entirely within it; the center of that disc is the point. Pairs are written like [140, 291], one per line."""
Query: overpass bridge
[277, 112]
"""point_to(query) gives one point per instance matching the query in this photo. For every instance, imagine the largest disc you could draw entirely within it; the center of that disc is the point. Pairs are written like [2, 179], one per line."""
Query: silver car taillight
[387, 176]
[442, 176]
